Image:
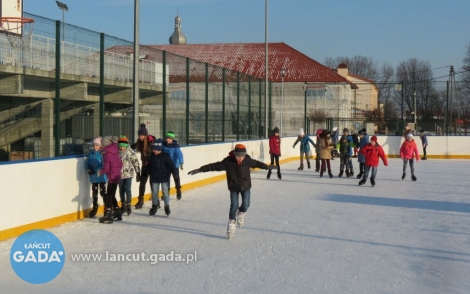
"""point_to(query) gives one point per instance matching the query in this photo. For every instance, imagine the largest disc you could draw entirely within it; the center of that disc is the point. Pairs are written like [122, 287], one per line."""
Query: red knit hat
[374, 138]
[240, 150]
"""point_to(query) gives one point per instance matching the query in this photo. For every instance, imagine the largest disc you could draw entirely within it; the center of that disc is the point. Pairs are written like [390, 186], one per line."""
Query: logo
[37, 256]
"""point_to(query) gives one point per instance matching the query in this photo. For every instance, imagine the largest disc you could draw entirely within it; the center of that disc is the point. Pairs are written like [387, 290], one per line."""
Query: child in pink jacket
[408, 150]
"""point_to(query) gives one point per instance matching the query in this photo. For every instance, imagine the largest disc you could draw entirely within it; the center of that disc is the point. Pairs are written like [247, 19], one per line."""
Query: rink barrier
[49, 192]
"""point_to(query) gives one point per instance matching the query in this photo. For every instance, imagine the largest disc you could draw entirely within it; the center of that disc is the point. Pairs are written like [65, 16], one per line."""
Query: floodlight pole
[135, 73]
[64, 8]
[266, 71]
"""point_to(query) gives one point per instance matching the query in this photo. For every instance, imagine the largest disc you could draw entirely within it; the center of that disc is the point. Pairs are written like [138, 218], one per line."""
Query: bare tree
[465, 85]
[416, 76]
[317, 116]
[377, 117]
[357, 65]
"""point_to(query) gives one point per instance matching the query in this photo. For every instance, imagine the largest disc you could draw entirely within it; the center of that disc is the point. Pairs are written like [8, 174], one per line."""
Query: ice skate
[351, 173]
[279, 175]
[240, 219]
[321, 174]
[341, 173]
[424, 158]
[167, 210]
[93, 212]
[268, 176]
[231, 228]
[153, 210]
[317, 170]
[359, 175]
[117, 214]
[301, 167]
[330, 174]
[128, 209]
[413, 178]
[372, 182]
[403, 176]
[140, 202]
[108, 217]
[362, 182]
[308, 164]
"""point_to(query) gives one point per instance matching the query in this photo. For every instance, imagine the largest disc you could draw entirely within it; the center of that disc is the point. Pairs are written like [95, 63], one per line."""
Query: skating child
[345, 153]
[160, 168]
[112, 166]
[94, 162]
[349, 167]
[372, 152]
[171, 147]
[424, 141]
[304, 148]
[364, 140]
[130, 163]
[275, 151]
[237, 168]
[142, 146]
[408, 150]
[325, 152]
[334, 137]
[317, 151]
[355, 139]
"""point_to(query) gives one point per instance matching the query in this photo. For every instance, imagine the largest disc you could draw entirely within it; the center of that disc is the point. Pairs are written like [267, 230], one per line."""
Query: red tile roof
[249, 58]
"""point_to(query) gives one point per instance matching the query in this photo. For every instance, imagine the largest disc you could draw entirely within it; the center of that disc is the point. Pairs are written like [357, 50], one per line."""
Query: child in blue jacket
[93, 163]
[172, 147]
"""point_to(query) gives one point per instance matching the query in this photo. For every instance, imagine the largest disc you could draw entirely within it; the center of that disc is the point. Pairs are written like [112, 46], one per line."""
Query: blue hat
[157, 145]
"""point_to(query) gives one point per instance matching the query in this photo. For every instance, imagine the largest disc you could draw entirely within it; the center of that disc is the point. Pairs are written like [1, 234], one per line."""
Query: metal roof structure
[249, 58]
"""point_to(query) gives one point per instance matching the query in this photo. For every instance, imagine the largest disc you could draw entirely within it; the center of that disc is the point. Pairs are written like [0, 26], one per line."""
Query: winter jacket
[335, 137]
[372, 154]
[355, 140]
[317, 146]
[424, 140]
[275, 145]
[304, 146]
[408, 148]
[238, 175]
[112, 163]
[160, 166]
[345, 147]
[129, 163]
[144, 157]
[175, 152]
[325, 148]
[362, 143]
[94, 161]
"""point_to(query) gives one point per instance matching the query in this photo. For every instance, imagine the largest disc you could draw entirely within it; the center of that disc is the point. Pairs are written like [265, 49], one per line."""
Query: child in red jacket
[372, 152]
[275, 151]
[407, 150]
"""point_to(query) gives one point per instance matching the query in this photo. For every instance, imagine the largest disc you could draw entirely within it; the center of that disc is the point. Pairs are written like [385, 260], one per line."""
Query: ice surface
[302, 234]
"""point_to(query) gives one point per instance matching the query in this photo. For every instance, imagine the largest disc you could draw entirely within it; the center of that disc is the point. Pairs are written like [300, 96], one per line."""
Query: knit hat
[240, 150]
[409, 136]
[374, 138]
[319, 131]
[345, 130]
[422, 131]
[335, 128]
[142, 130]
[157, 145]
[97, 141]
[108, 140]
[325, 132]
[360, 133]
[301, 132]
[123, 141]
[276, 130]
[170, 135]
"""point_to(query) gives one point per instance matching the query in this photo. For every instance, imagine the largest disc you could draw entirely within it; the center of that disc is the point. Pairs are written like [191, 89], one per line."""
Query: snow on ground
[303, 234]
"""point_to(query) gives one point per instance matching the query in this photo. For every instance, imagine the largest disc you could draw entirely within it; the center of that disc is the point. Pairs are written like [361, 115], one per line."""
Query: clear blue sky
[386, 31]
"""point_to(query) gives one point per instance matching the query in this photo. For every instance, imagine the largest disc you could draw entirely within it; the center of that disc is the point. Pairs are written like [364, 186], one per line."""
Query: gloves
[181, 166]
[178, 193]
[279, 155]
[293, 147]
[194, 171]
[137, 177]
[272, 166]
[91, 172]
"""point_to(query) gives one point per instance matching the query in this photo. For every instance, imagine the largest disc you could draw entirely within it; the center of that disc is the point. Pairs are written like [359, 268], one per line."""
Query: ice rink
[302, 234]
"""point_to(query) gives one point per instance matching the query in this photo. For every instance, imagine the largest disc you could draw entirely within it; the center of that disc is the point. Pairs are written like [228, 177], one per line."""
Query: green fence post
[260, 131]
[187, 100]
[101, 84]
[164, 94]
[57, 90]
[207, 104]
[249, 107]
[223, 104]
[238, 106]
[270, 106]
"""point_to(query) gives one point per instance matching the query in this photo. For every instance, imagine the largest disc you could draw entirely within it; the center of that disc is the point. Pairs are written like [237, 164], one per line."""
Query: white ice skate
[231, 228]
[240, 219]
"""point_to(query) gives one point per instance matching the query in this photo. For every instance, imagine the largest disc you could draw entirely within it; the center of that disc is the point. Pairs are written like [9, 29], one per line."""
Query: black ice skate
[301, 167]
[359, 175]
[117, 215]
[372, 182]
[140, 202]
[93, 212]
[268, 176]
[362, 182]
[128, 209]
[308, 164]
[403, 176]
[279, 175]
[108, 217]
[341, 173]
[154, 209]
[351, 173]
[413, 177]
[321, 173]
[330, 174]
[167, 210]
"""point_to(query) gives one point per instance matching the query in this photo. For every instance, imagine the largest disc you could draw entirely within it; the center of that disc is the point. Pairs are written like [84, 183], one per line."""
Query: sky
[385, 31]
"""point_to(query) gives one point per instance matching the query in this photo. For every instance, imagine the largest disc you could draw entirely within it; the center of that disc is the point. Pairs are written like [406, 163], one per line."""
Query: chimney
[343, 70]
